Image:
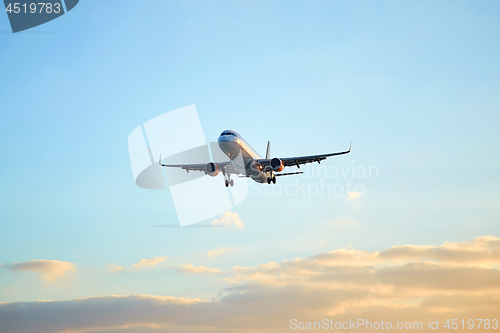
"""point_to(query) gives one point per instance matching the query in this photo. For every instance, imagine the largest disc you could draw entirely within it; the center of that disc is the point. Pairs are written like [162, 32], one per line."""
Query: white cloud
[191, 269]
[50, 270]
[229, 219]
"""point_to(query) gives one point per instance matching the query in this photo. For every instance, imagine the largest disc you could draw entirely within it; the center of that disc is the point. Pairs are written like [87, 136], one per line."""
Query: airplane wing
[199, 167]
[297, 161]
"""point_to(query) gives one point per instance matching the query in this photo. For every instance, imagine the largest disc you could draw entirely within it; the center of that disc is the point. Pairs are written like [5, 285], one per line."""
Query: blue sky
[414, 85]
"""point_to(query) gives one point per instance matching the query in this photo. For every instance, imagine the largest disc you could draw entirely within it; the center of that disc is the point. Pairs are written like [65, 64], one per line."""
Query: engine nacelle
[212, 169]
[277, 165]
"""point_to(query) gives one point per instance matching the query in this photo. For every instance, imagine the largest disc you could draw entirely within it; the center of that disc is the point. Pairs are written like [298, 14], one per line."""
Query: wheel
[274, 180]
[226, 183]
[232, 183]
[269, 180]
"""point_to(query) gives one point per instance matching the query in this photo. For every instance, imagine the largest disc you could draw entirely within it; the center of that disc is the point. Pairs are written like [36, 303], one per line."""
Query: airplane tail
[268, 150]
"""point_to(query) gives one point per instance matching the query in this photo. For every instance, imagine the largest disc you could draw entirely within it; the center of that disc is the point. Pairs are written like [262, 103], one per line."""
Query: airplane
[244, 161]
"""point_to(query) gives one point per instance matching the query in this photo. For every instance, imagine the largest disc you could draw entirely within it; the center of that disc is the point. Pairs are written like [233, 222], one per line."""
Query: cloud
[191, 269]
[408, 283]
[50, 270]
[423, 267]
[352, 195]
[114, 268]
[484, 249]
[217, 252]
[229, 219]
[95, 313]
[148, 262]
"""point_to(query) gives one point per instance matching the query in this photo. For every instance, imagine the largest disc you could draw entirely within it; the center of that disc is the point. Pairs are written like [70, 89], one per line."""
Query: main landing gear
[229, 181]
[271, 179]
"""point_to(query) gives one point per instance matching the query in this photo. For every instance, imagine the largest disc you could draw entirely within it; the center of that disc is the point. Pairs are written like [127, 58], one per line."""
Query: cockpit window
[228, 133]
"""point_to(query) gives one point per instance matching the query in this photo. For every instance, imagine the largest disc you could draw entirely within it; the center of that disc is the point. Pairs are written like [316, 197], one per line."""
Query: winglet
[350, 145]
[268, 150]
[159, 161]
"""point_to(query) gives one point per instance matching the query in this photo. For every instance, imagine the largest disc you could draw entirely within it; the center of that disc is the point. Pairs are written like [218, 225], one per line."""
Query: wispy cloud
[50, 270]
[191, 269]
[229, 219]
[141, 264]
[352, 195]
[148, 262]
[217, 252]
[114, 268]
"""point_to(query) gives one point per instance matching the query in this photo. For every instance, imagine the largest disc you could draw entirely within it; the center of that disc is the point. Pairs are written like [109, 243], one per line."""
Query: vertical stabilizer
[268, 150]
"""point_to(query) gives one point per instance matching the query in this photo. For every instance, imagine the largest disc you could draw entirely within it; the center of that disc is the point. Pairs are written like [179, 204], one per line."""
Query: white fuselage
[240, 152]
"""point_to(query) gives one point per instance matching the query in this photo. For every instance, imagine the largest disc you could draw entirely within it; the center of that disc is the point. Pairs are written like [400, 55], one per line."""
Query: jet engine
[212, 169]
[277, 164]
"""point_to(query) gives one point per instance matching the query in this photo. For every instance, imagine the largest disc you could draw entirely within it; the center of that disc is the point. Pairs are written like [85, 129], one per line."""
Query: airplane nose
[229, 145]
[227, 138]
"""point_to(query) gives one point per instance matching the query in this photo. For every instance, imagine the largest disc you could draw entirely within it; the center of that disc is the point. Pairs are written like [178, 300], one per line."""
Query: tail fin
[268, 150]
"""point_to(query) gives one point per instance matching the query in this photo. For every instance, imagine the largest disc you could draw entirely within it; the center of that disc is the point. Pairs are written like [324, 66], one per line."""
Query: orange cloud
[143, 263]
[217, 252]
[484, 249]
[148, 262]
[114, 268]
[406, 283]
[191, 269]
[50, 270]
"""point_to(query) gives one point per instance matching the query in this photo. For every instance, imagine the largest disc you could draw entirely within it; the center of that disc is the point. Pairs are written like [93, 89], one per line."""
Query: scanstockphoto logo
[25, 15]
[321, 180]
[178, 137]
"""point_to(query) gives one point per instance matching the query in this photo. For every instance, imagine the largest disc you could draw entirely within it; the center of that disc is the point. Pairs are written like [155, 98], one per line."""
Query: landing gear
[228, 182]
[271, 179]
